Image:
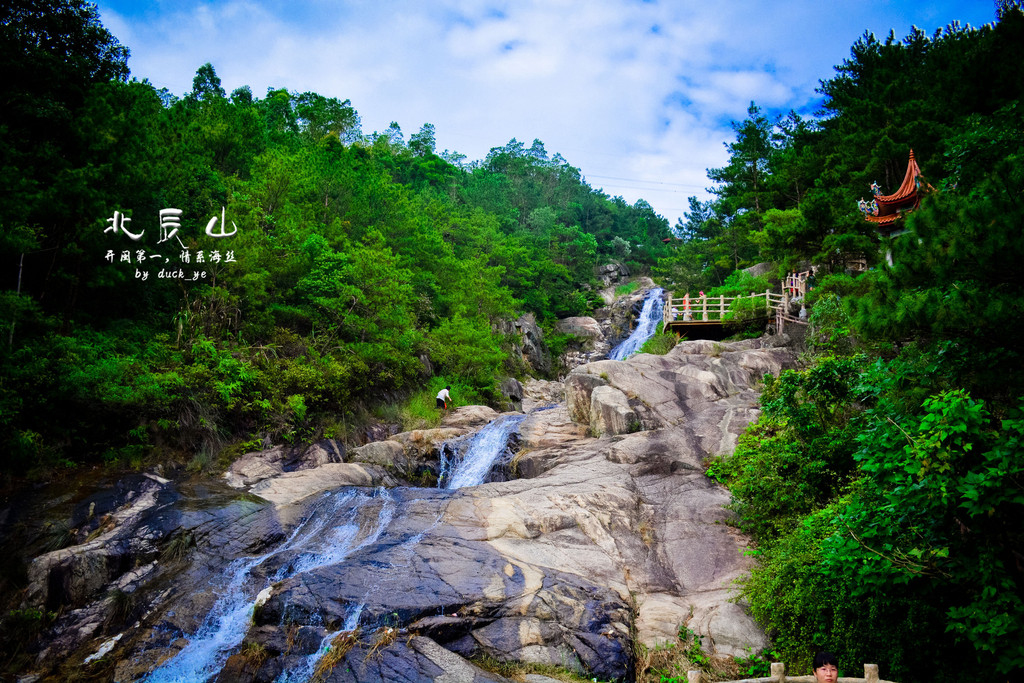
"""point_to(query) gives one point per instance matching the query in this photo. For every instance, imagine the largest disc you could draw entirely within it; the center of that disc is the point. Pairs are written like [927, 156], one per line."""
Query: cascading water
[330, 534]
[478, 454]
[646, 326]
[306, 671]
[468, 466]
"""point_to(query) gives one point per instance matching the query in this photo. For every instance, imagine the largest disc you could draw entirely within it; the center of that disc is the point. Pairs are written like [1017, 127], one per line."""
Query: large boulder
[469, 417]
[528, 342]
[578, 389]
[383, 453]
[538, 393]
[608, 536]
[611, 273]
[513, 390]
[583, 327]
[293, 487]
[610, 412]
[256, 466]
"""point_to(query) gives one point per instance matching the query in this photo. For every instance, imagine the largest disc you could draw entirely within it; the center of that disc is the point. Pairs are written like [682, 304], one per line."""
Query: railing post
[693, 676]
[778, 672]
[871, 673]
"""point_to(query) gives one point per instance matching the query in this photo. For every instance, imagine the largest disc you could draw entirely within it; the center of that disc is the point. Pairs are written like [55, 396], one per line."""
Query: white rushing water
[330, 534]
[304, 672]
[646, 327]
[480, 453]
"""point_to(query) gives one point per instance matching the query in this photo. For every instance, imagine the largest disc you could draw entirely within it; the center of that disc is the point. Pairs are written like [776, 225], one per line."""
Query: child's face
[826, 674]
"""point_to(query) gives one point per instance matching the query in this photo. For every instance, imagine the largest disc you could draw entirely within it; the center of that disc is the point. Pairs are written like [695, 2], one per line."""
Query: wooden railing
[795, 284]
[714, 308]
[779, 676]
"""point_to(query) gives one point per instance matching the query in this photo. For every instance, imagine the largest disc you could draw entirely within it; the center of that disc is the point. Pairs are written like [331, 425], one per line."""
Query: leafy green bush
[628, 288]
[465, 348]
[860, 506]
[799, 454]
[829, 330]
[660, 344]
[741, 283]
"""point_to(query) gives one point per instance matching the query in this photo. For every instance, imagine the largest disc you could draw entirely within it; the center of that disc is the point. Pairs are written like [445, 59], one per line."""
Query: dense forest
[321, 276]
[342, 272]
[884, 483]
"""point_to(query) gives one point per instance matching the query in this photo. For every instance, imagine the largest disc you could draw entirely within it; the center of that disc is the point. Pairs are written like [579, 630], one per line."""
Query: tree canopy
[190, 274]
[883, 482]
[354, 267]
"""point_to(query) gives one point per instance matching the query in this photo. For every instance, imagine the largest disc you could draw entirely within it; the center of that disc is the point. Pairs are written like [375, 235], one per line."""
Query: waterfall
[304, 672]
[329, 534]
[334, 529]
[646, 327]
[478, 454]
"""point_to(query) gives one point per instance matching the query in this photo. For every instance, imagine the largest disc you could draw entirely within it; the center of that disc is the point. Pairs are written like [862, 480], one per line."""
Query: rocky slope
[325, 558]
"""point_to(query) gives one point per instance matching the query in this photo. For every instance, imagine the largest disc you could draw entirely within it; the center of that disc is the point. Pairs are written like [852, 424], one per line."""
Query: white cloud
[622, 89]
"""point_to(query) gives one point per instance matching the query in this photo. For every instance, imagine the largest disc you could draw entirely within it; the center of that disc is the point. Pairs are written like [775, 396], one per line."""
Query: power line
[640, 180]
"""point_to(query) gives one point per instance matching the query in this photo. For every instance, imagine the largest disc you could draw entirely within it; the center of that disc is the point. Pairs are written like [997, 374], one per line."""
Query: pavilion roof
[908, 188]
[885, 210]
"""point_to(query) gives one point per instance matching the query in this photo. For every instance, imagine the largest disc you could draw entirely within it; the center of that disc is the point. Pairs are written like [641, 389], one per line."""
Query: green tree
[206, 85]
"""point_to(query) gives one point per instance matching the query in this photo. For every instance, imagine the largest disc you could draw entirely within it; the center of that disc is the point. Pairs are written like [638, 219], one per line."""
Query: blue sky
[637, 94]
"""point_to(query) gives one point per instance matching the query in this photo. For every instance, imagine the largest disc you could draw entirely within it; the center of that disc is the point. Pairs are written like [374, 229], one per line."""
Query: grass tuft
[340, 646]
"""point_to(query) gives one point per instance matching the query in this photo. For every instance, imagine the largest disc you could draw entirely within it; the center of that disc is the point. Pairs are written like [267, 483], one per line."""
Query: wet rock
[455, 668]
[512, 610]
[256, 466]
[594, 539]
[406, 660]
[293, 487]
[120, 540]
[469, 417]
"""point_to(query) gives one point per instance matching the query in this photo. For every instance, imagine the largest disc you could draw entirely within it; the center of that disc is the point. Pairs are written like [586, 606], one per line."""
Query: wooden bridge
[704, 317]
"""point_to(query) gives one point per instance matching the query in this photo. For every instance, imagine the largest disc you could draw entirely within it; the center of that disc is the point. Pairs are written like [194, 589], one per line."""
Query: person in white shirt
[443, 397]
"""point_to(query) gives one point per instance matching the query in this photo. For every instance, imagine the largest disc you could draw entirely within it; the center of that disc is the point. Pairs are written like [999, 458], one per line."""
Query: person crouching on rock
[443, 397]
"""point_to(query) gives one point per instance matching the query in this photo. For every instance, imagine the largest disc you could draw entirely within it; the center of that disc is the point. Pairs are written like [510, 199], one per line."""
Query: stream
[646, 326]
[339, 524]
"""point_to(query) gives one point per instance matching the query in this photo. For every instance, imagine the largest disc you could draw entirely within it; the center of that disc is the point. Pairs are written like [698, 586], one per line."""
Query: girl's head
[826, 667]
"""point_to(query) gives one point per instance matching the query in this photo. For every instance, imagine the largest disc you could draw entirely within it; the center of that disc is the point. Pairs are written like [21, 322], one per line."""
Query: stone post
[870, 673]
[779, 672]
